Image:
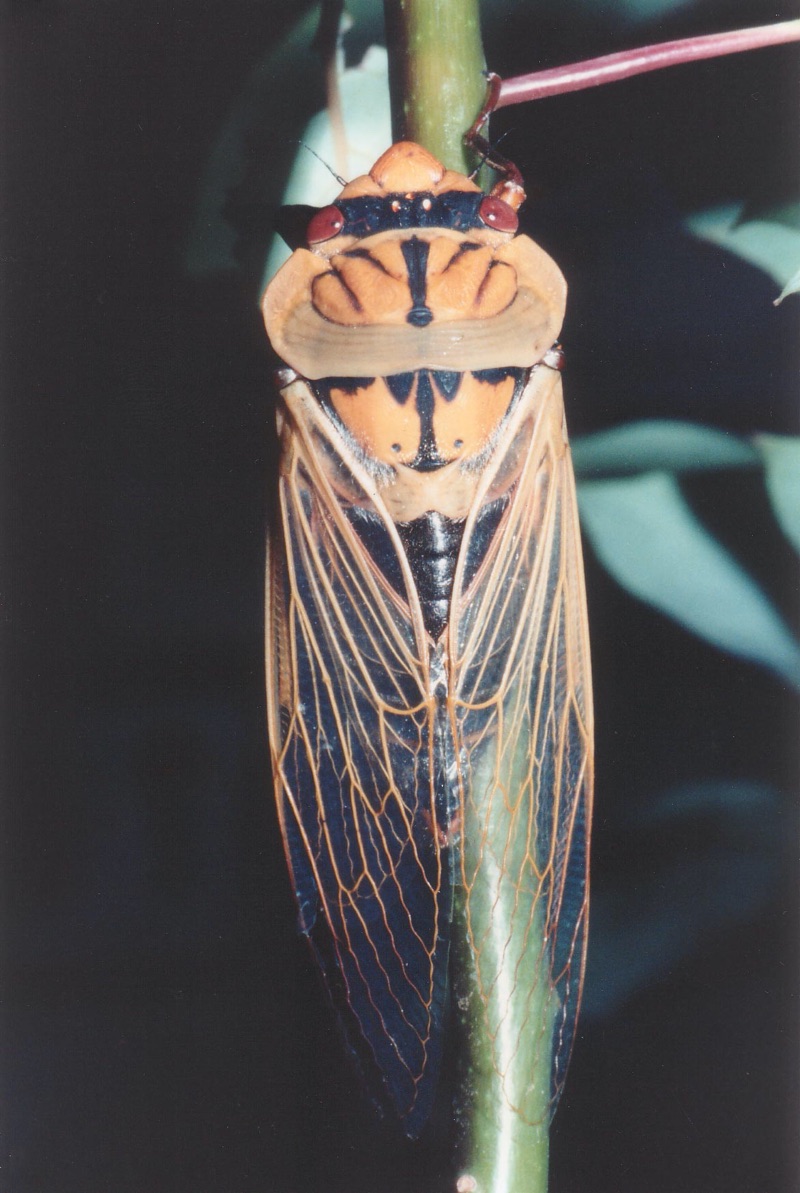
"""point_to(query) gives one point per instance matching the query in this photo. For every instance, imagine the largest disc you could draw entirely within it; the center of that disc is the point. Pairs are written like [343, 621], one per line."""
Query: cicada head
[414, 267]
[407, 188]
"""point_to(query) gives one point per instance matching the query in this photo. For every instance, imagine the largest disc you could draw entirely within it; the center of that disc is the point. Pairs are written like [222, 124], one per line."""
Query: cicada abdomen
[427, 655]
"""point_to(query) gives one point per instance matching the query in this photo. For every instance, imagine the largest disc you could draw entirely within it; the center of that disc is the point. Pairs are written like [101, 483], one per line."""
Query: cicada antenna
[338, 177]
[485, 157]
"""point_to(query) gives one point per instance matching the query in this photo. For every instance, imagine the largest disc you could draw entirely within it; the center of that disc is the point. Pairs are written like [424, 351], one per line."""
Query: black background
[166, 1028]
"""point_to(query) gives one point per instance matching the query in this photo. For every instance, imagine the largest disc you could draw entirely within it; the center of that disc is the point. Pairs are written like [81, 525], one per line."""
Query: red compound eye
[327, 223]
[497, 214]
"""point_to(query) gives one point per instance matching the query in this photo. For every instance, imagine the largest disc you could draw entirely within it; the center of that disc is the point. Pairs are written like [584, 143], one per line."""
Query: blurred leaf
[643, 10]
[773, 244]
[772, 213]
[647, 537]
[781, 456]
[364, 93]
[290, 74]
[791, 287]
[719, 849]
[659, 444]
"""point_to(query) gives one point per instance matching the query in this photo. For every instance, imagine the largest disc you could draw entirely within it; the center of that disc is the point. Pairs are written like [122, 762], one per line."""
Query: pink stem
[613, 67]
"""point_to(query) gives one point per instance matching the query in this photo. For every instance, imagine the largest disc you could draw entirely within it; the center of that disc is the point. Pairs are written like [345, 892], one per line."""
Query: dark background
[165, 1028]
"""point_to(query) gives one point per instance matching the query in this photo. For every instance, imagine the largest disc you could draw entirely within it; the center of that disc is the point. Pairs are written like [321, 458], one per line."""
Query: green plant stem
[503, 1152]
[500, 985]
[502, 990]
[435, 74]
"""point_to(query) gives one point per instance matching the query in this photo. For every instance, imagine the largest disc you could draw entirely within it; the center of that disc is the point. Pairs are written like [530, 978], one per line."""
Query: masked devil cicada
[427, 654]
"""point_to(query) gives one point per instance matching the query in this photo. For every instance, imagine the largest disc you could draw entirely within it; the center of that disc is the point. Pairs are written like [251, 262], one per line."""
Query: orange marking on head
[463, 283]
[497, 290]
[364, 289]
[373, 286]
[406, 167]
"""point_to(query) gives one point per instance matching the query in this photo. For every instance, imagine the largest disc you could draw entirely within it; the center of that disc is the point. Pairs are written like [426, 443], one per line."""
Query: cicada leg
[510, 188]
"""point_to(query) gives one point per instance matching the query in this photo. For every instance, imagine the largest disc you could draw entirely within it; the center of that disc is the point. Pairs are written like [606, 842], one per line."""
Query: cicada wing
[519, 642]
[352, 732]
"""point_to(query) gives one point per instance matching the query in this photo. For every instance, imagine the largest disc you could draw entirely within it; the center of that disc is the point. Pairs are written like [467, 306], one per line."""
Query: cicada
[428, 668]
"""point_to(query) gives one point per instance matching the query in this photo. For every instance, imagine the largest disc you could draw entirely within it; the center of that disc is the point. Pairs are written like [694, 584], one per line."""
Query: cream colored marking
[466, 1184]
[519, 336]
[516, 338]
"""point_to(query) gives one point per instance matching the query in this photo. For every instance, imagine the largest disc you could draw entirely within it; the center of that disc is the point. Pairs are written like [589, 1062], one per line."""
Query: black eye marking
[495, 376]
[447, 383]
[368, 214]
[399, 386]
[366, 255]
[346, 385]
[352, 297]
[427, 458]
[415, 254]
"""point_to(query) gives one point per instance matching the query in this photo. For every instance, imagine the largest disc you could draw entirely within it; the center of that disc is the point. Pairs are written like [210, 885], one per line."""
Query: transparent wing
[519, 642]
[353, 727]
[363, 751]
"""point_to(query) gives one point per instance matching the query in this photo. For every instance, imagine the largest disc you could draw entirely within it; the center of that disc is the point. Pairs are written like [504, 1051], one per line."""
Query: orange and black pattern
[423, 420]
[427, 653]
